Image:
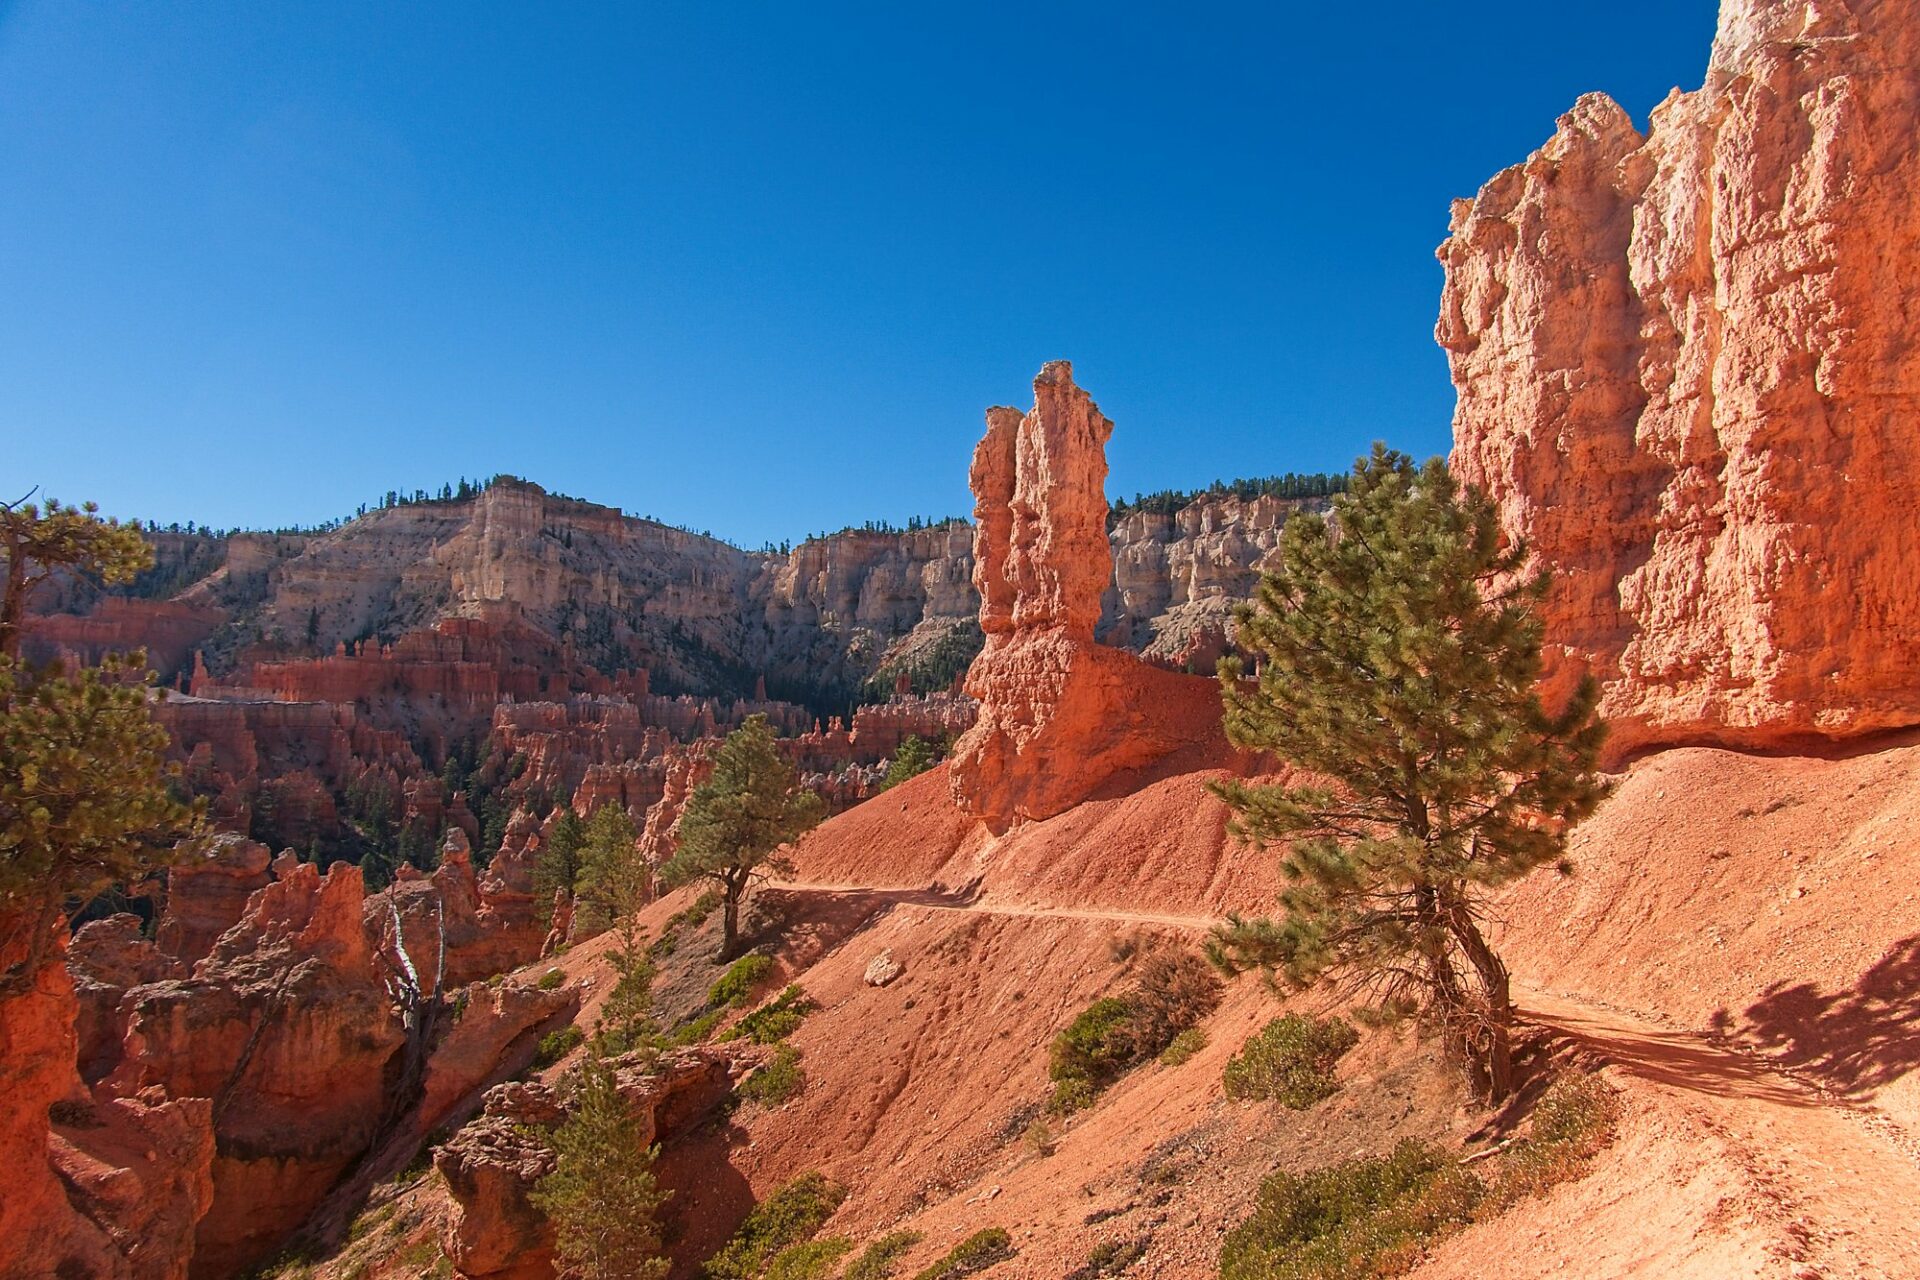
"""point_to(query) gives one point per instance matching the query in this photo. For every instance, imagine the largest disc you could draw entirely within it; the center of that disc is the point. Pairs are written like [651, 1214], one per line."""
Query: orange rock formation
[1685, 371]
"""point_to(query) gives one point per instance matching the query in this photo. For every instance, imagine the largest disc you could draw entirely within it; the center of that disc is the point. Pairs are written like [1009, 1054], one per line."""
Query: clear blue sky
[755, 268]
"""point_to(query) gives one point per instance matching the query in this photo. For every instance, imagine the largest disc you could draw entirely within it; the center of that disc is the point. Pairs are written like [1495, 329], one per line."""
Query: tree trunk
[1496, 1018]
[730, 922]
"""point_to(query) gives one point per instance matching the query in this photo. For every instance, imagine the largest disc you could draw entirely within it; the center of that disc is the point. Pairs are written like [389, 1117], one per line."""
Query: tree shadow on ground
[1854, 1042]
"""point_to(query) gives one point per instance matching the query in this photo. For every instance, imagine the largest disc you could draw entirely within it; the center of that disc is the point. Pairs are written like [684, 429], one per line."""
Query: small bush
[1174, 990]
[1039, 1137]
[552, 980]
[975, 1254]
[1290, 1062]
[1109, 1259]
[776, 1080]
[1091, 1053]
[774, 1021]
[1573, 1120]
[812, 1260]
[788, 1217]
[700, 908]
[735, 986]
[697, 1031]
[881, 1258]
[1182, 1047]
[556, 1045]
[1359, 1218]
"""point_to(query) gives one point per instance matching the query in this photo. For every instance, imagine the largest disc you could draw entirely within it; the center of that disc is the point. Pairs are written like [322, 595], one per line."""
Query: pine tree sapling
[613, 880]
[1398, 659]
[601, 1195]
[738, 820]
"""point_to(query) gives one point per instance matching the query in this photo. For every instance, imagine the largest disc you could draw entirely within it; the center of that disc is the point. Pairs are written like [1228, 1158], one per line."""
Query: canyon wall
[1685, 371]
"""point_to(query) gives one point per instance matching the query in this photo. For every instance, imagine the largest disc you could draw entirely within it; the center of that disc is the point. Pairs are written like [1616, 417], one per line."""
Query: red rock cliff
[1685, 369]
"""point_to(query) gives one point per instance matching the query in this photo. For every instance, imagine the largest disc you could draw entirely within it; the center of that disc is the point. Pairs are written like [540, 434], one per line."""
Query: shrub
[697, 1031]
[812, 1260]
[1181, 1049]
[1573, 1120]
[1094, 1049]
[551, 980]
[1359, 1218]
[787, 1217]
[556, 1045]
[976, 1253]
[1173, 991]
[735, 986]
[776, 1080]
[774, 1021]
[1109, 1259]
[1039, 1137]
[880, 1258]
[1290, 1062]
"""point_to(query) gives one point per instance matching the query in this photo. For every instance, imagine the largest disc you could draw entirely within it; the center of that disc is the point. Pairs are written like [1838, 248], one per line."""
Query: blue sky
[751, 268]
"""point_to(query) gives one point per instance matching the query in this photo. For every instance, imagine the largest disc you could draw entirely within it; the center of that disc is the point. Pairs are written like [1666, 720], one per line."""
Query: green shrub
[1091, 1053]
[774, 1021]
[788, 1217]
[812, 1260]
[976, 1253]
[1290, 1062]
[1174, 991]
[551, 980]
[735, 986]
[556, 1045]
[1039, 1137]
[1109, 1259]
[697, 1031]
[1181, 1049]
[1572, 1121]
[880, 1259]
[1359, 1218]
[777, 1079]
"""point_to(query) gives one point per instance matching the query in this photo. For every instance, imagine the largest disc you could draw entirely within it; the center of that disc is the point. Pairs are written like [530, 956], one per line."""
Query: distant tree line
[1317, 484]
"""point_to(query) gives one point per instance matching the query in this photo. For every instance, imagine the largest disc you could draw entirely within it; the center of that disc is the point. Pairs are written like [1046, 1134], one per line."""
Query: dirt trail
[1840, 1178]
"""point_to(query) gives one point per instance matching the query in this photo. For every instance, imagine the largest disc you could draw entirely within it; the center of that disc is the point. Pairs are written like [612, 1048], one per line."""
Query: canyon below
[325, 1045]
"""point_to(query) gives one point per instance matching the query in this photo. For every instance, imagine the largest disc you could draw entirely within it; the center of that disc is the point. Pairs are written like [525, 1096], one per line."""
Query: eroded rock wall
[1686, 371]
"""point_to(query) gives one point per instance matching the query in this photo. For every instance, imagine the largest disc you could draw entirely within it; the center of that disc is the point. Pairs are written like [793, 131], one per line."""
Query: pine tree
[737, 821]
[601, 1195]
[914, 757]
[558, 866]
[38, 542]
[85, 799]
[1399, 657]
[613, 881]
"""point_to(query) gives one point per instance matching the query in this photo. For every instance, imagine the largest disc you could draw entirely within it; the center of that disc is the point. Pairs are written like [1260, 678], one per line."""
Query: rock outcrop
[491, 1165]
[1059, 714]
[207, 894]
[1685, 370]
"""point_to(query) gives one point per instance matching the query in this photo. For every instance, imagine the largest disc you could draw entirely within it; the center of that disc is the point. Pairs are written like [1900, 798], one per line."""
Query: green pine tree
[558, 864]
[601, 1195]
[613, 881]
[915, 756]
[737, 821]
[1398, 652]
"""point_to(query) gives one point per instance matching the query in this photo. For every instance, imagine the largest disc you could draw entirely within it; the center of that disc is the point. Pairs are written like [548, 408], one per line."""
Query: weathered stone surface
[882, 970]
[492, 1163]
[207, 894]
[1685, 371]
[107, 959]
[1059, 715]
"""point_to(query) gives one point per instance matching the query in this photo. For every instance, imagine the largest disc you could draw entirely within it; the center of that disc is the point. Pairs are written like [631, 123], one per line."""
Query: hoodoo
[1685, 371]
[1059, 714]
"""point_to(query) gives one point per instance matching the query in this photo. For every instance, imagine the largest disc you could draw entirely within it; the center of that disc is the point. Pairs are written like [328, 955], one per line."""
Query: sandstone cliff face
[1059, 714]
[1685, 371]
